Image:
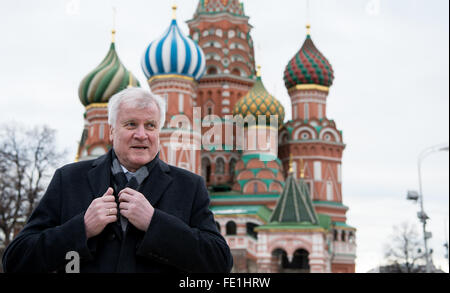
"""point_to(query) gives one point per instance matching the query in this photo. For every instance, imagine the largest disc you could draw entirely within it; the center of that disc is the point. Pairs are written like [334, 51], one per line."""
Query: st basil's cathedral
[279, 208]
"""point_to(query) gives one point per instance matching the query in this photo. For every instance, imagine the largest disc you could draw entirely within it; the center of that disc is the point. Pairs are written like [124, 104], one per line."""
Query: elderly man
[126, 211]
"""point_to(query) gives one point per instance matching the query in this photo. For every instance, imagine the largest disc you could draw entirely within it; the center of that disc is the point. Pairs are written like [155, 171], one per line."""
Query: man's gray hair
[138, 98]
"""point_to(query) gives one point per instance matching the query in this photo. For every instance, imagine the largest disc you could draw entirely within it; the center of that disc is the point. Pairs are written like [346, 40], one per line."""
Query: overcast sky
[390, 95]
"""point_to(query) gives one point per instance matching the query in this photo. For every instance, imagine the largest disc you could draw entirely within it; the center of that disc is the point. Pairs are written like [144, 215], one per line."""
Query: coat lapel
[157, 182]
[100, 179]
[100, 175]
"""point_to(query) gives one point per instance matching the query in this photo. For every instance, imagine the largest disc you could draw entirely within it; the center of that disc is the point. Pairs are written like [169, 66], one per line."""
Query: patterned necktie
[133, 184]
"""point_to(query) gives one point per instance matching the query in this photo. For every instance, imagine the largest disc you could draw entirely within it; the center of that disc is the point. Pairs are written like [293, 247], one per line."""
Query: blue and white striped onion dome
[174, 53]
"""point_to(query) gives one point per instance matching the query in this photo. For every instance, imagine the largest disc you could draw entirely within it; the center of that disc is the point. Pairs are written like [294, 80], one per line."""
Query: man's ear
[111, 133]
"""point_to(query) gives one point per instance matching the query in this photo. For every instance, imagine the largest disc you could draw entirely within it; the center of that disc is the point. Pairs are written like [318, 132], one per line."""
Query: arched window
[238, 58]
[351, 237]
[251, 230]
[206, 169]
[230, 228]
[236, 71]
[102, 131]
[300, 261]
[306, 110]
[220, 166]
[280, 260]
[335, 235]
[212, 70]
[329, 191]
[343, 236]
[232, 168]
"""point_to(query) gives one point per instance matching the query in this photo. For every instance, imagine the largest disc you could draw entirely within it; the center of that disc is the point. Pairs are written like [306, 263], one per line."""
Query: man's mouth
[139, 147]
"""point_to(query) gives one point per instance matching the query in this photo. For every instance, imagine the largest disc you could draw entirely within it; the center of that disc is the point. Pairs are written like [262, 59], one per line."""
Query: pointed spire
[113, 32]
[174, 11]
[308, 24]
[258, 71]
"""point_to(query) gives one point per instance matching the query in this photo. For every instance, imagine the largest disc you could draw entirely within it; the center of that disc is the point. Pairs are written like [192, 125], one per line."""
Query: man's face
[135, 135]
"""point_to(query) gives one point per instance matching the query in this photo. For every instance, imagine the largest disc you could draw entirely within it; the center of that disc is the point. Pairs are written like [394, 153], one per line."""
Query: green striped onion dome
[259, 102]
[308, 66]
[107, 79]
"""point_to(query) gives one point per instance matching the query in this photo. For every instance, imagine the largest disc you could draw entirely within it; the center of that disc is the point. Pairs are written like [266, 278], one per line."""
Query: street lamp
[413, 195]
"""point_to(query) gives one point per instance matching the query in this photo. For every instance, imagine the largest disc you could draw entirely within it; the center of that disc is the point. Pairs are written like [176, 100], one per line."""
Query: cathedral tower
[313, 138]
[259, 170]
[222, 30]
[173, 64]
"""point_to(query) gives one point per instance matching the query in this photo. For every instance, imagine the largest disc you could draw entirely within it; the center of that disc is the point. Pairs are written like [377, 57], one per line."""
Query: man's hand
[101, 212]
[136, 208]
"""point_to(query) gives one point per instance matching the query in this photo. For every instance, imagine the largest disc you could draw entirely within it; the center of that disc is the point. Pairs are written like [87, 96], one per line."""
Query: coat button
[111, 236]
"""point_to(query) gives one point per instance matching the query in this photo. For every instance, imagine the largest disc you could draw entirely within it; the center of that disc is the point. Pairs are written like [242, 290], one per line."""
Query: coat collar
[154, 186]
[157, 182]
[100, 175]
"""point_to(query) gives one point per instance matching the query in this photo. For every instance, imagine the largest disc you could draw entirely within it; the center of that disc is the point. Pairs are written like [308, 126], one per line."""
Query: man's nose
[139, 133]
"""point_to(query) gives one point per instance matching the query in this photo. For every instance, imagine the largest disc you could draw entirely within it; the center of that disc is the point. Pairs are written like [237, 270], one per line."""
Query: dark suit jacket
[182, 235]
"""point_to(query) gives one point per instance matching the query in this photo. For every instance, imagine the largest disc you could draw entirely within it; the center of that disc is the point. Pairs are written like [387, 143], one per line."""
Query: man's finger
[111, 218]
[111, 211]
[124, 205]
[125, 213]
[109, 205]
[127, 190]
[125, 197]
[109, 191]
[108, 198]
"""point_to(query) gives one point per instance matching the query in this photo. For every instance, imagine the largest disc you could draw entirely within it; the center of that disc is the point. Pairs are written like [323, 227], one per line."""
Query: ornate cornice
[96, 105]
[309, 87]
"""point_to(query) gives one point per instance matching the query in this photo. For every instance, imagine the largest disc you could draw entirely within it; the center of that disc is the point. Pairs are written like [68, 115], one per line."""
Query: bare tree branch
[27, 159]
[404, 251]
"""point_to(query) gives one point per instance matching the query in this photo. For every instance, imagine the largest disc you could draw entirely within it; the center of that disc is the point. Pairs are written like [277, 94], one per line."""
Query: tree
[28, 158]
[404, 250]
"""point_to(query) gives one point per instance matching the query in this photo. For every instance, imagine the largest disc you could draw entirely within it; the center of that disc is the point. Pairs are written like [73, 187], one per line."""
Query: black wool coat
[182, 235]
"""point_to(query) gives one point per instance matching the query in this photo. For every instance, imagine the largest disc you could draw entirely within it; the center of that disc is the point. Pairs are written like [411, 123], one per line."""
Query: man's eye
[150, 125]
[130, 124]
